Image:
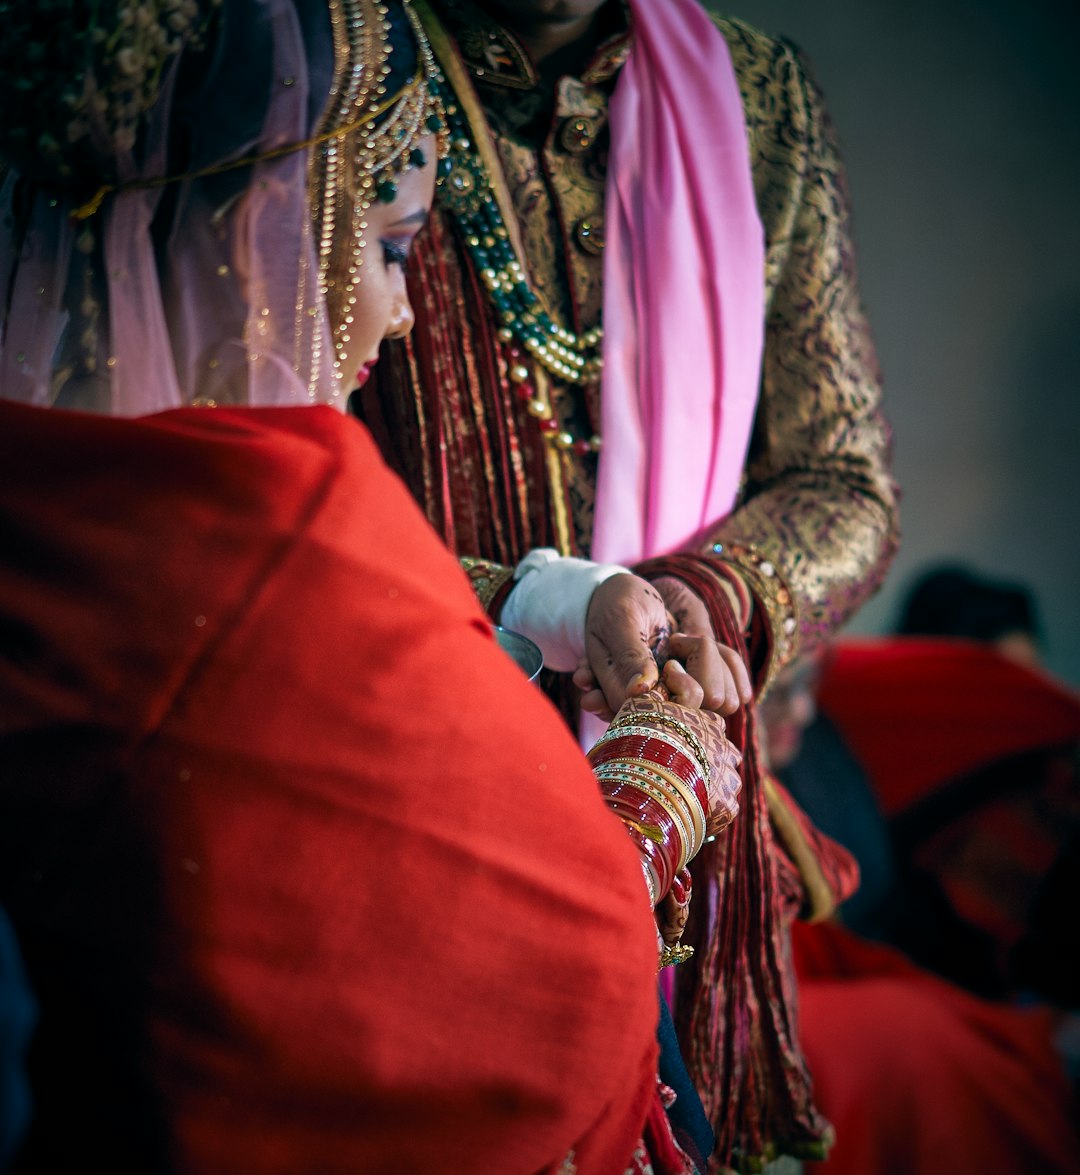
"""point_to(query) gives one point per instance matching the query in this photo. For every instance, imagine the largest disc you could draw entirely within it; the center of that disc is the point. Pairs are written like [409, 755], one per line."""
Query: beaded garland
[467, 193]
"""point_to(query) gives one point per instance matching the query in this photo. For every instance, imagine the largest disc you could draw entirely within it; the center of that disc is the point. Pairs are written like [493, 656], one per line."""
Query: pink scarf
[684, 289]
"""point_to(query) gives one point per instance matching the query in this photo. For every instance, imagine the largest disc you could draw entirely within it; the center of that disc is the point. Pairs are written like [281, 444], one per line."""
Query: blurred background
[959, 122]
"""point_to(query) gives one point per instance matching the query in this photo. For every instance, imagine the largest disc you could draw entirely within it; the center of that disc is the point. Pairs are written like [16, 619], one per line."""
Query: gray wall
[959, 125]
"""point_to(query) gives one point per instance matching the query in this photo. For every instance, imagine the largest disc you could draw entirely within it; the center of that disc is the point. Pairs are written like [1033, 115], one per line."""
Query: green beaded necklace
[467, 193]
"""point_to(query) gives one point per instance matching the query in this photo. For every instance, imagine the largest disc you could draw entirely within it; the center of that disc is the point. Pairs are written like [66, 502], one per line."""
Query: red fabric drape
[308, 877]
[917, 1074]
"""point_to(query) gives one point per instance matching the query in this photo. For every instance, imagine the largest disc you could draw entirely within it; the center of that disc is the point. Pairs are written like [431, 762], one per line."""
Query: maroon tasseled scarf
[451, 421]
[735, 1007]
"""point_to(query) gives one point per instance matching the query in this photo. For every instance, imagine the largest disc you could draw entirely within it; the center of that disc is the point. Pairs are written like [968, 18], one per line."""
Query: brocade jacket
[815, 524]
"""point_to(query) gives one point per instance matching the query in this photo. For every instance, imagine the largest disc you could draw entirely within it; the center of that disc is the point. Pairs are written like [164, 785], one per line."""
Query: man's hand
[719, 669]
[629, 629]
[625, 624]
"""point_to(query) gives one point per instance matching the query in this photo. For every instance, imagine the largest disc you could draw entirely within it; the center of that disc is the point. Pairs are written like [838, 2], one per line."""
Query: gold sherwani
[815, 523]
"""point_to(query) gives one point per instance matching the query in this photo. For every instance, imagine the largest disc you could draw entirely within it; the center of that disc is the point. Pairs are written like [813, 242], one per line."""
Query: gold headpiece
[367, 139]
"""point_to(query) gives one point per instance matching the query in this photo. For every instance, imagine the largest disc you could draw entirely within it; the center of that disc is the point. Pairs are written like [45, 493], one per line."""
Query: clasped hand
[638, 634]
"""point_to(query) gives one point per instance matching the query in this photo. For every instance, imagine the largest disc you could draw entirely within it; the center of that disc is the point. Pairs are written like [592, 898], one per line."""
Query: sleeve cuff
[549, 603]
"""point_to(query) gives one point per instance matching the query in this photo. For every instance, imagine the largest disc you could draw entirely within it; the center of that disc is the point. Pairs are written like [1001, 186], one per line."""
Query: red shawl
[307, 875]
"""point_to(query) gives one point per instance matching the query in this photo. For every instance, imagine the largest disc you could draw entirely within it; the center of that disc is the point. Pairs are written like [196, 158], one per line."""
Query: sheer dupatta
[202, 290]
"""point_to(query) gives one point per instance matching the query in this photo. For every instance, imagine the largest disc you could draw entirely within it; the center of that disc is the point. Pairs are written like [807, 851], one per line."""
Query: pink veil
[219, 301]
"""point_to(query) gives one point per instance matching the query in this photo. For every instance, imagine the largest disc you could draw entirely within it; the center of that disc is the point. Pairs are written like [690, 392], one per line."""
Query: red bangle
[629, 800]
[654, 750]
[663, 855]
[653, 786]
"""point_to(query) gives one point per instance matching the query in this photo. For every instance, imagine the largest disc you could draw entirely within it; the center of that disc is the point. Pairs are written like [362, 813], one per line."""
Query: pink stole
[684, 289]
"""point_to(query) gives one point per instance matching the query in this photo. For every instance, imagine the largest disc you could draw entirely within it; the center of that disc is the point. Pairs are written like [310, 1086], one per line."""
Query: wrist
[549, 602]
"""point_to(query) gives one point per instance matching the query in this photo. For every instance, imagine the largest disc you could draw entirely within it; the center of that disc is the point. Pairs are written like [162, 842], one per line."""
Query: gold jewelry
[487, 578]
[684, 833]
[366, 138]
[641, 731]
[683, 793]
[670, 804]
[692, 740]
[651, 880]
[477, 196]
[676, 954]
[649, 831]
[661, 787]
[324, 136]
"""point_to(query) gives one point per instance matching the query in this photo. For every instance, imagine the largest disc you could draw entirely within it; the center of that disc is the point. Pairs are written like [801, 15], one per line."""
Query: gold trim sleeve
[815, 525]
[487, 579]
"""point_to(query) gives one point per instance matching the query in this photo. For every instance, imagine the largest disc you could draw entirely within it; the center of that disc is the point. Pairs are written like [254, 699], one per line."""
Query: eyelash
[395, 253]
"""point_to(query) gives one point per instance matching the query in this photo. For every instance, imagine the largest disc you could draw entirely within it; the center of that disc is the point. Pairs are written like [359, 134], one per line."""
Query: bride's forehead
[414, 188]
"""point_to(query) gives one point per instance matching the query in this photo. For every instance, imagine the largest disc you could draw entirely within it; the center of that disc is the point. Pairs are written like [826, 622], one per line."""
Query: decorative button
[577, 134]
[460, 180]
[589, 234]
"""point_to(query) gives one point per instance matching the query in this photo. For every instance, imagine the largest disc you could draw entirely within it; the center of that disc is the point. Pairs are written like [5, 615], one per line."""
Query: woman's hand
[674, 909]
[723, 757]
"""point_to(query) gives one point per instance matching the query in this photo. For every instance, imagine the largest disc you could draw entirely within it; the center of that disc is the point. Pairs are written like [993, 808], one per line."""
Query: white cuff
[549, 603]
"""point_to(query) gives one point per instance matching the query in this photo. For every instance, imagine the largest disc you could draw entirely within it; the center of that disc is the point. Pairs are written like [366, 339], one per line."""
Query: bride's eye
[395, 252]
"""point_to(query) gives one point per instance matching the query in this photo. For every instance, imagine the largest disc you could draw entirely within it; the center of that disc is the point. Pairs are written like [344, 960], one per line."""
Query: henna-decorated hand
[723, 757]
[719, 670]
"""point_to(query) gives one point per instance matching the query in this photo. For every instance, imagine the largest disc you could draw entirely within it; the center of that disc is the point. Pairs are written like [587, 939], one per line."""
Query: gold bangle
[683, 827]
[670, 804]
[651, 880]
[650, 831]
[655, 779]
[667, 720]
[697, 814]
[641, 731]
[676, 954]
[659, 736]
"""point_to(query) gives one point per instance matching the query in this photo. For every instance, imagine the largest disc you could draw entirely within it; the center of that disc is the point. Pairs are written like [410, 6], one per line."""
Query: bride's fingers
[682, 686]
[743, 685]
[702, 658]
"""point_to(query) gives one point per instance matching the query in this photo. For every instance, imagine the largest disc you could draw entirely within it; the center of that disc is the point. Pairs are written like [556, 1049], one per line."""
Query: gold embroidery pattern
[487, 578]
[818, 505]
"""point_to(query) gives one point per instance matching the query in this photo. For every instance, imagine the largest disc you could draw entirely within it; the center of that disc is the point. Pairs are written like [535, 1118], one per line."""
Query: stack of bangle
[654, 774]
